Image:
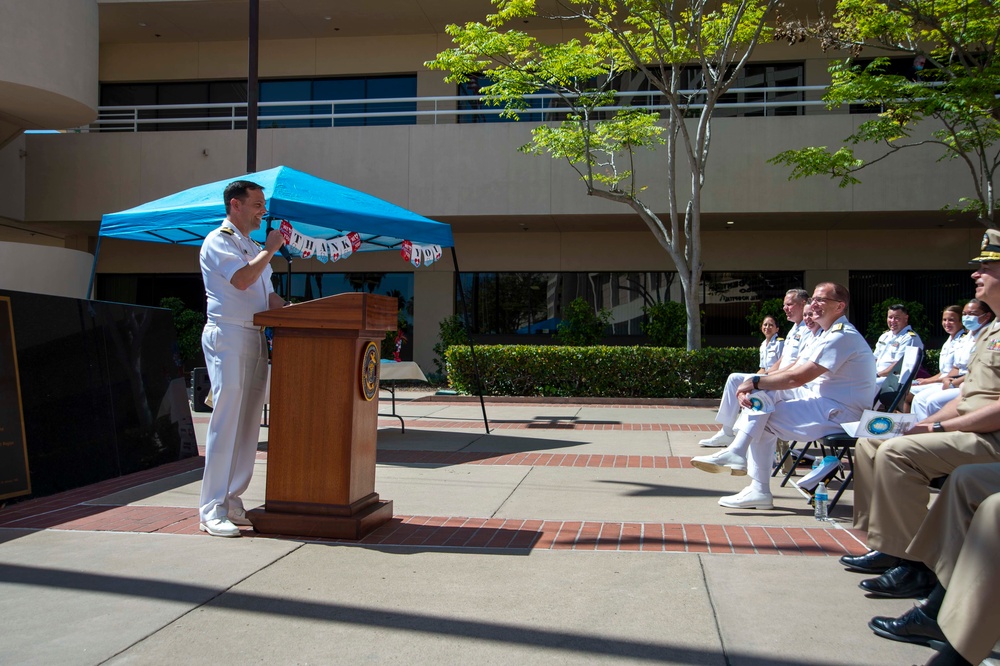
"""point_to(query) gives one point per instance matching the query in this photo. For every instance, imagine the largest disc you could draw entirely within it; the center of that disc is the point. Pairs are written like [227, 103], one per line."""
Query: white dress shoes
[718, 440]
[723, 461]
[220, 527]
[748, 498]
[239, 517]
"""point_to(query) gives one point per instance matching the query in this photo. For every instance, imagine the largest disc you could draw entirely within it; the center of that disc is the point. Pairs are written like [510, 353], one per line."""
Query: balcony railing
[785, 100]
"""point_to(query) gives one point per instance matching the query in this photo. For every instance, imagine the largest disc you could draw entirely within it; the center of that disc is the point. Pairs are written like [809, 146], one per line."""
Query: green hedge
[599, 371]
[932, 359]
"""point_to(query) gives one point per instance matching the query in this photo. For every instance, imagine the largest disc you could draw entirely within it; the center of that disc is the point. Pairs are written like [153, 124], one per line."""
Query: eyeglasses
[822, 299]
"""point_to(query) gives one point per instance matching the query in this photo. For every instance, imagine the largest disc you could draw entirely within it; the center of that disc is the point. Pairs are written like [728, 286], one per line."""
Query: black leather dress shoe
[902, 582]
[913, 626]
[872, 562]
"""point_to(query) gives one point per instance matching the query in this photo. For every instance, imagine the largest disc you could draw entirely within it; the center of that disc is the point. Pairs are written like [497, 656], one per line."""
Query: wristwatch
[755, 379]
[937, 427]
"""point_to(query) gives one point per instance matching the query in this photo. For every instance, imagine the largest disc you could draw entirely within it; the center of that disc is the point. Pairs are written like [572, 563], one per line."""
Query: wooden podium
[324, 417]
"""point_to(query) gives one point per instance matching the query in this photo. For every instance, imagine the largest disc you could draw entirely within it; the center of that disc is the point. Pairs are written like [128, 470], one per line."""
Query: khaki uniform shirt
[982, 382]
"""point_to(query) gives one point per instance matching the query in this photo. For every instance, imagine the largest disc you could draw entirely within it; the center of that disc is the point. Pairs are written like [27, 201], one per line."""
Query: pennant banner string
[341, 247]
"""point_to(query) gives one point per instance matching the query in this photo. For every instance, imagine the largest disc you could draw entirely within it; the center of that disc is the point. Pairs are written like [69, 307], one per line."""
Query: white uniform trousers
[237, 365]
[931, 401]
[729, 408]
[959, 540]
[799, 415]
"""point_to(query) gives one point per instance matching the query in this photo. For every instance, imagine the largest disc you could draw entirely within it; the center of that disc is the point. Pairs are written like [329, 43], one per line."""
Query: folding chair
[890, 395]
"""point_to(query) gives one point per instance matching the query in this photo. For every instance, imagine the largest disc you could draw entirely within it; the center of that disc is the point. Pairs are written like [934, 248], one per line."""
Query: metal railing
[441, 109]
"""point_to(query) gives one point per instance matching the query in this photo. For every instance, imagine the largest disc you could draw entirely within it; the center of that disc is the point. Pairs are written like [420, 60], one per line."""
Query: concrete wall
[444, 171]
[48, 63]
[39, 269]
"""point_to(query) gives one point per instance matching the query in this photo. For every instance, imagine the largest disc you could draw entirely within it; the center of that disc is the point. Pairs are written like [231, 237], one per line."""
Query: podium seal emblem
[369, 371]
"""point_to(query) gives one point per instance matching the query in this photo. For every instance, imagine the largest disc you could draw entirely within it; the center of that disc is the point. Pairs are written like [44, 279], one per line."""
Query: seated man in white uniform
[815, 330]
[729, 409]
[833, 383]
[893, 343]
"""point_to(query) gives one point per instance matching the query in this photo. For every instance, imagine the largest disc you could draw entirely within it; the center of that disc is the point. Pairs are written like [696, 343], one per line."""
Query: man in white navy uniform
[831, 384]
[237, 275]
[892, 344]
[729, 408]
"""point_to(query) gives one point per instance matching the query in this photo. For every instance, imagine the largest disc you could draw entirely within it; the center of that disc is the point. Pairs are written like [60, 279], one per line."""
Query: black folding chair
[890, 395]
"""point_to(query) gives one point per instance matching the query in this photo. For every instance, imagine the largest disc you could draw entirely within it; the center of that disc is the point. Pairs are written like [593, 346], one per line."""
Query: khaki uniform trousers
[960, 540]
[892, 476]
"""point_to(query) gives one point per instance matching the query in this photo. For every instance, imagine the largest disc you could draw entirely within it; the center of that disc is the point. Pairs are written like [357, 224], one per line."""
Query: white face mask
[971, 322]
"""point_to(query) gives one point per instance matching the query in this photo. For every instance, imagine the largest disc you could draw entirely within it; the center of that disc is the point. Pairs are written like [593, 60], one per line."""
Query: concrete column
[433, 300]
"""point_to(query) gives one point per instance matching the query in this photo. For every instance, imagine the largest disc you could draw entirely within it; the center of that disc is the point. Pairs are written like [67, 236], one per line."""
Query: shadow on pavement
[384, 618]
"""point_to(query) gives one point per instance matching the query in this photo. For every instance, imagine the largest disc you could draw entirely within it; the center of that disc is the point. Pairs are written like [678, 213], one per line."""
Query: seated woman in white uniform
[975, 316]
[951, 322]
[770, 349]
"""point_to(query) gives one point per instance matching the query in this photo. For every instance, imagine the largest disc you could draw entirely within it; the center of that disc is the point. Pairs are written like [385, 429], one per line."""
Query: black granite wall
[102, 392]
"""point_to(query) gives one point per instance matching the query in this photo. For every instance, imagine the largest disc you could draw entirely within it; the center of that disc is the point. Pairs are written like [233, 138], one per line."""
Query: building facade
[149, 95]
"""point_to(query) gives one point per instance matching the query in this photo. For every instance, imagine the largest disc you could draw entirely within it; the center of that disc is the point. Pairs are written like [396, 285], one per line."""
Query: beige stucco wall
[469, 170]
[48, 62]
[39, 269]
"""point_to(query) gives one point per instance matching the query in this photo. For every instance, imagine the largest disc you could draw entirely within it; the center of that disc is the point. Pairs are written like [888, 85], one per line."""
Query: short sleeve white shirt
[770, 351]
[948, 349]
[963, 350]
[225, 251]
[793, 345]
[849, 379]
[890, 348]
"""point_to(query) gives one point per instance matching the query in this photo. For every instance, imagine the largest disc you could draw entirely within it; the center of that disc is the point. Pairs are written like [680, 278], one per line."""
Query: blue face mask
[971, 322]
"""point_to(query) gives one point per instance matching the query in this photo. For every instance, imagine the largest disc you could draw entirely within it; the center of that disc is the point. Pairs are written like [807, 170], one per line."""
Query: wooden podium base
[321, 524]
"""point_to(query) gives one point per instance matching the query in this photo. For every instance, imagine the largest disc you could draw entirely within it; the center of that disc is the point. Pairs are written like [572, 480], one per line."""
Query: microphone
[284, 250]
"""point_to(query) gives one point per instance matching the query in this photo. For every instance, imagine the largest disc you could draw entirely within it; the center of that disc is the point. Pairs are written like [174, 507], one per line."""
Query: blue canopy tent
[315, 207]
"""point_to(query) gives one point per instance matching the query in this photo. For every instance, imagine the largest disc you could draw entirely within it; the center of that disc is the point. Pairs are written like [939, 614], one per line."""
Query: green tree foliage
[188, 325]
[665, 324]
[918, 319]
[954, 93]
[580, 325]
[451, 331]
[771, 307]
[690, 52]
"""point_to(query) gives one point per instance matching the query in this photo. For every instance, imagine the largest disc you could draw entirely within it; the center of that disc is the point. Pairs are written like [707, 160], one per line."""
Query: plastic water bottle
[820, 502]
[817, 461]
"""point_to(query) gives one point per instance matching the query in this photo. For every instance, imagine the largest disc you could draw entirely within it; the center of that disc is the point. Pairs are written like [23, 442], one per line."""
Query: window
[271, 90]
[505, 307]
[754, 75]
[936, 290]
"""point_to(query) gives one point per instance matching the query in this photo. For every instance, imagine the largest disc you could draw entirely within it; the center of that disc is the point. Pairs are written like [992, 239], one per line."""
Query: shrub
[188, 325]
[772, 307]
[598, 371]
[580, 325]
[666, 324]
[451, 331]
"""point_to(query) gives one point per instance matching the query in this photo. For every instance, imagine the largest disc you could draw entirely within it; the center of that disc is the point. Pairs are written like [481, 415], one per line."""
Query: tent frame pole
[93, 271]
[472, 347]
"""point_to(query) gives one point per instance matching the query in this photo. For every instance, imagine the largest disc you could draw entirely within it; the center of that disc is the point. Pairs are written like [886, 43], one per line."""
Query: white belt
[235, 322]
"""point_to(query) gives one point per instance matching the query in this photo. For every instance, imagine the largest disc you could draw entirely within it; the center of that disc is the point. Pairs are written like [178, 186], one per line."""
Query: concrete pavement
[573, 533]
